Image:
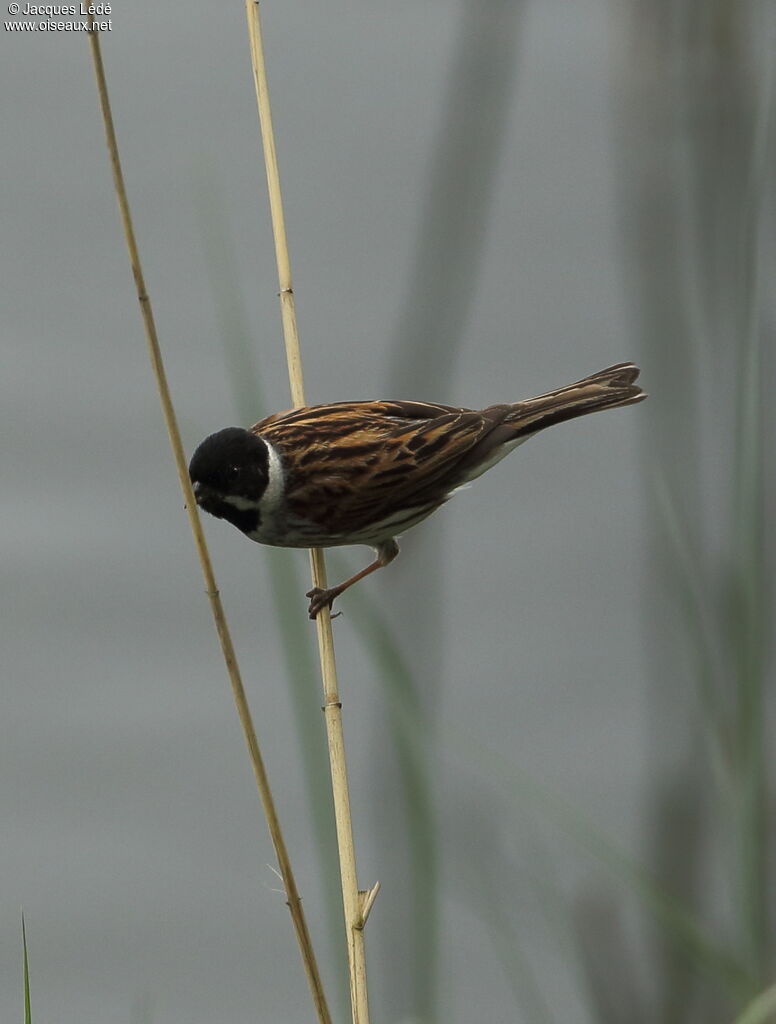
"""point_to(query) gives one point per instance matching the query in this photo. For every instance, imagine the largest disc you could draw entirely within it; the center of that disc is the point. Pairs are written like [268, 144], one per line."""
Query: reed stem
[356, 904]
[293, 898]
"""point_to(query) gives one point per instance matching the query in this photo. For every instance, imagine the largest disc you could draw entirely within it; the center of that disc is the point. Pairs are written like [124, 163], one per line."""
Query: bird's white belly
[293, 532]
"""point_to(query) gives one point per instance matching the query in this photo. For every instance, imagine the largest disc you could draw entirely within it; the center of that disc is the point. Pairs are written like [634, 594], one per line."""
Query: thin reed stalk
[355, 903]
[292, 894]
[26, 976]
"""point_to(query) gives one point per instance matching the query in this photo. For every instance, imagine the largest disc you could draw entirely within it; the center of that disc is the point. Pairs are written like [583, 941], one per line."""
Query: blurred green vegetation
[26, 976]
[694, 98]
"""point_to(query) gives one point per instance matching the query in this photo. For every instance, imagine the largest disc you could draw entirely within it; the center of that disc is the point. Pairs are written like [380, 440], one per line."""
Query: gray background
[461, 230]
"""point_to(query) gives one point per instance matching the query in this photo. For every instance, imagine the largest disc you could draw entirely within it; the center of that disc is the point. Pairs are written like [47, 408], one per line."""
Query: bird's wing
[363, 411]
[353, 463]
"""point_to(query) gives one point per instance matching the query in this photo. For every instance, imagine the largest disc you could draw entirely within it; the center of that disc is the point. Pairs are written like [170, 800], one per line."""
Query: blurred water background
[558, 699]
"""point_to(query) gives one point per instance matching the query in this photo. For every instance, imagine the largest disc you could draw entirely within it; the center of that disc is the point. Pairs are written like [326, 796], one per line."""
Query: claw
[320, 599]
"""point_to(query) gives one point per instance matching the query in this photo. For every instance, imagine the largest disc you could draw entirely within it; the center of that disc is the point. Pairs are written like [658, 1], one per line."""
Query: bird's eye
[232, 473]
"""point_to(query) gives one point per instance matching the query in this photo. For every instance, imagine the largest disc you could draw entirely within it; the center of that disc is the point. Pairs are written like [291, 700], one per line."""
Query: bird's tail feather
[607, 389]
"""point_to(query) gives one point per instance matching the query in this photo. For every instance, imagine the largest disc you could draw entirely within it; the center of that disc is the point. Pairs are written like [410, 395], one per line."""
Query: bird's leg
[320, 598]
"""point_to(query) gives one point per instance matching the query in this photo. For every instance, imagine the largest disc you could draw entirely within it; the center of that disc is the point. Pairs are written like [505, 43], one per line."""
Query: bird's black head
[229, 473]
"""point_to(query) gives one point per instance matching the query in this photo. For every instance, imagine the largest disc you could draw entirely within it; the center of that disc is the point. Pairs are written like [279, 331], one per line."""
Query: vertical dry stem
[292, 894]
[351, 898]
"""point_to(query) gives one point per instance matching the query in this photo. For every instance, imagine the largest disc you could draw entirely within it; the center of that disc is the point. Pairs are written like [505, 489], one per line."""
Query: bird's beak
[208, 499]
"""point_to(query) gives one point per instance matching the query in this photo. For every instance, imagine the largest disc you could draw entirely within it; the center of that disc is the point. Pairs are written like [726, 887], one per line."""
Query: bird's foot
[320, 599]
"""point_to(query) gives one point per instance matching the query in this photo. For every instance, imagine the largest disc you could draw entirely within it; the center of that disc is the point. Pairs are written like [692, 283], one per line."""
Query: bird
[347, 473]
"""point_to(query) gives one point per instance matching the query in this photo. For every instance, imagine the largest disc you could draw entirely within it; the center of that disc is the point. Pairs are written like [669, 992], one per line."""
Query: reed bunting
[364, 472]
